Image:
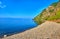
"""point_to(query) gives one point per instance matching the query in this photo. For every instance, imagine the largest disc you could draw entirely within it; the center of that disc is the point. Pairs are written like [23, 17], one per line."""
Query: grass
[39, 20]
[43, 16]
[57, 16]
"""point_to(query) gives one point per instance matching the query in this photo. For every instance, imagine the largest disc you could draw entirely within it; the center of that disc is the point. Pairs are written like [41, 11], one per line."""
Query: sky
[23, 8]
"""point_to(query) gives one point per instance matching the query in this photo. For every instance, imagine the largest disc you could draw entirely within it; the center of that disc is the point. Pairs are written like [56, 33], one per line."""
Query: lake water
[9, 26]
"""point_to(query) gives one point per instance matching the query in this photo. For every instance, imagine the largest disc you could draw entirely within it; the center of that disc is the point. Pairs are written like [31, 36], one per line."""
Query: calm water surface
[10, 26]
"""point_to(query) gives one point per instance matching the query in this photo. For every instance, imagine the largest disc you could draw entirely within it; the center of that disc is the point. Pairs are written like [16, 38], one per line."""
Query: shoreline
[45, 30]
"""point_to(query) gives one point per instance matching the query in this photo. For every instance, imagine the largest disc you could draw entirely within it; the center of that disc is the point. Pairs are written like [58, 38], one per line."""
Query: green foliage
[39, 20]
[42, 17]
[57, 16]
[44, 10]
[54, 4]
[51, 10]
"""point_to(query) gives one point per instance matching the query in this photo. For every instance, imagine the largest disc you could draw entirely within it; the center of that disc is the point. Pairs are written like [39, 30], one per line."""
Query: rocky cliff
[52, 13]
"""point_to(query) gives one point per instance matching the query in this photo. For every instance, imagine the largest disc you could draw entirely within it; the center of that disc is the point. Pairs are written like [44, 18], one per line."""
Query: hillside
[52, 13]
[47, 30]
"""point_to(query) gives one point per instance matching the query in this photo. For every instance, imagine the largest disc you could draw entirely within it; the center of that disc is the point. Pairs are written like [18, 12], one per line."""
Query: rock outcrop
[49, 14]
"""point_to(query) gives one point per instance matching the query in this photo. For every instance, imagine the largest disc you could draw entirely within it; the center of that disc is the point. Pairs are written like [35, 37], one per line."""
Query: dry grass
[47, 30]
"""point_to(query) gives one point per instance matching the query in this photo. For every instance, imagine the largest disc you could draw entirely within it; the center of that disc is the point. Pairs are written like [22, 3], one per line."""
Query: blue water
[10, 26]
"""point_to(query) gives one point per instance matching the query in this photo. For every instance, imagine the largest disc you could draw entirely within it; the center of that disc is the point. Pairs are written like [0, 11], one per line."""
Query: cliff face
[52, 13]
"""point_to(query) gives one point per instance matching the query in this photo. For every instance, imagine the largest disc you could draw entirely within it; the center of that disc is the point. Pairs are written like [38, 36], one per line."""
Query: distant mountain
[52, 13]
